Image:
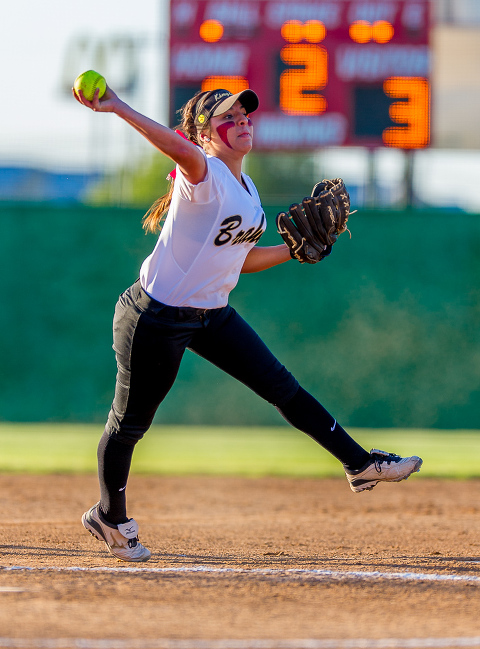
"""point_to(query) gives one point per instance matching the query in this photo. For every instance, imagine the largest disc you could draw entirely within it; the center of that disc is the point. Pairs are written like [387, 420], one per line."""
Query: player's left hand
[310, 228]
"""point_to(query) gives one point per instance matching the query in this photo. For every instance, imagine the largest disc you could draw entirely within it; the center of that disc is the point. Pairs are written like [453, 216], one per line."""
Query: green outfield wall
[385, 332]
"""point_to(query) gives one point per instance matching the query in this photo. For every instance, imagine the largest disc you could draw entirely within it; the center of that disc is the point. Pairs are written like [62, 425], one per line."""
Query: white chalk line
[266, 572]
[167, 643]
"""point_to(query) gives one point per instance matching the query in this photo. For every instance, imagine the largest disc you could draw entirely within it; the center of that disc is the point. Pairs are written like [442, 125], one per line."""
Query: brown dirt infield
[263, 527]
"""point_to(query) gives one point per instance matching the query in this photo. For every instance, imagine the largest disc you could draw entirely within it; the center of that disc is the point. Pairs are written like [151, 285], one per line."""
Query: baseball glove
[337, 188]
[310, 228]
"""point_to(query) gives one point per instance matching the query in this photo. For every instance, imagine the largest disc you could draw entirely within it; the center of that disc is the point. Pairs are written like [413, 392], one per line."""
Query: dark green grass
[189, 450]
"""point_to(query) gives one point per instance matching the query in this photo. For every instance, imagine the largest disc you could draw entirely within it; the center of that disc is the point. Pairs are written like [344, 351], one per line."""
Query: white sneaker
[121, 540]
[382, 467]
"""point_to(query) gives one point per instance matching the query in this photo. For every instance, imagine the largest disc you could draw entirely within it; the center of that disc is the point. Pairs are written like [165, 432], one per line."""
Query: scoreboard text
[327, 72]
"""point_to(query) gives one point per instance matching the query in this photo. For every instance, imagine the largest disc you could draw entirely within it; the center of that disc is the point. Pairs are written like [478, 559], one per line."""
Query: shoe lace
[132, 543]
[380, 459]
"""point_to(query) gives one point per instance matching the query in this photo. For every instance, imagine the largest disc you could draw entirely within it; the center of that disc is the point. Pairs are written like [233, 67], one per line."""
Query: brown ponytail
[152, 221]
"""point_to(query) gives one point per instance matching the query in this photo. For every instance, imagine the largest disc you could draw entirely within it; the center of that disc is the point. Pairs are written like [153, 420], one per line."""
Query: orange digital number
[415, 112]
[300, 86]
[233, 84]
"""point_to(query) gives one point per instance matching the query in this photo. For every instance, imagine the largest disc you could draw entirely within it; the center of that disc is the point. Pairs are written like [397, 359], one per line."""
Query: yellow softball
[88, 82]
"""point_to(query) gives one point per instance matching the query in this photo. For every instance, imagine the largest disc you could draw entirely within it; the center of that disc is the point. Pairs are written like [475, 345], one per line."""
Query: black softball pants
[150, 338]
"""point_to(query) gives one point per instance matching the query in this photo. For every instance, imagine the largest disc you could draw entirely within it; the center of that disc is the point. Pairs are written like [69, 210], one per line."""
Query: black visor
[216, 102]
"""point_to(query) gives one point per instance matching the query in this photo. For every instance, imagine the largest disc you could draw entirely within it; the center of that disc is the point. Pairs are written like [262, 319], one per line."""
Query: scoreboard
[327, 72]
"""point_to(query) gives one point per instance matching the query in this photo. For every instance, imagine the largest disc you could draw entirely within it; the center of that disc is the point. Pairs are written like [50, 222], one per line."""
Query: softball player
[213, 222]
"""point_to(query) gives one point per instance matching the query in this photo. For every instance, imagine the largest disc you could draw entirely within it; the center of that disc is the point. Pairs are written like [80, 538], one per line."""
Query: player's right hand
[104, 105]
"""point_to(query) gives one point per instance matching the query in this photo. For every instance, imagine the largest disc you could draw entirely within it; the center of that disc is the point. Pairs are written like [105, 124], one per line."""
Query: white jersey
[208, 232]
